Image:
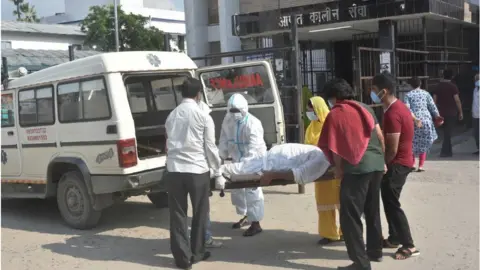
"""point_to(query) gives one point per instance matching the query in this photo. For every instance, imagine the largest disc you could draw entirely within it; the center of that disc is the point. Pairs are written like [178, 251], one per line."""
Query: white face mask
[311, 116]
[330, 104]
[237, 116]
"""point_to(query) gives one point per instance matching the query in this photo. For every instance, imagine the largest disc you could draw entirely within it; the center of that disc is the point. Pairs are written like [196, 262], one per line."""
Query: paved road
[442, 205]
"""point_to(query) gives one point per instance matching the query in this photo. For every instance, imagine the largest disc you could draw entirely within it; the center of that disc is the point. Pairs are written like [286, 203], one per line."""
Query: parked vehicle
[91, 132]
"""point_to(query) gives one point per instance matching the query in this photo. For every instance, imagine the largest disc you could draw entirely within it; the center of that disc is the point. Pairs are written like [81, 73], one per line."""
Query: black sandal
[241, 223]
[253, 230]
[405, 253]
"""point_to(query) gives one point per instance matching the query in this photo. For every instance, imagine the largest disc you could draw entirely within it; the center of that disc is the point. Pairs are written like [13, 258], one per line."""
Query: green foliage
[24, 12]
[134, 35]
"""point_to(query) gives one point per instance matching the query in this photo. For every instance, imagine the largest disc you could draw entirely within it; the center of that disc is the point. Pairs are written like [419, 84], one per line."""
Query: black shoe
[353, 266]
[446, 155]
[476, 153]
[205, 257]
[326, 241]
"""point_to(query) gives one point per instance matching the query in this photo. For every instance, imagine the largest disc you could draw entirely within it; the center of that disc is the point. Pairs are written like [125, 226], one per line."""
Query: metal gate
[404, 64]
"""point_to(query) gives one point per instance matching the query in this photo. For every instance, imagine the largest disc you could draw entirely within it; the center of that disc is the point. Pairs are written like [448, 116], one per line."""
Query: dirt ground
[442, 205]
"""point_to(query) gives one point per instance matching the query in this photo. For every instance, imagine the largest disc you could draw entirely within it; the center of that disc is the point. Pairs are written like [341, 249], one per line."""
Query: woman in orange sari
[327, 193]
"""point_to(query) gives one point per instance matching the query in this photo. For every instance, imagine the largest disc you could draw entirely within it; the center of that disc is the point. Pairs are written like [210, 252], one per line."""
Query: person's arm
[393, 128]
[379, 132]
[432, 108]
[459, 106]
[211, 150]
[435, 98]
[338, 163]
[223, 142]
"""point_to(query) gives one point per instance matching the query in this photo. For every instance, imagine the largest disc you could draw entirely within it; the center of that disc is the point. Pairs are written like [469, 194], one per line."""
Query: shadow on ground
[277, 248]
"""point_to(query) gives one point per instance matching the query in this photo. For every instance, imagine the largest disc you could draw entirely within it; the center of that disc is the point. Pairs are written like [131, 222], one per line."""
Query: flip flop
[405, 253]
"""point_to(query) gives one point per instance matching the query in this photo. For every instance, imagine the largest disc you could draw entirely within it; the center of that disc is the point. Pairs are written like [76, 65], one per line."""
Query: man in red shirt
[398, 128]
[450, 108]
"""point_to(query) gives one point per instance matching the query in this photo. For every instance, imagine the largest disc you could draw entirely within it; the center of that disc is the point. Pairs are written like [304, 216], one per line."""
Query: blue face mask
[375, 98]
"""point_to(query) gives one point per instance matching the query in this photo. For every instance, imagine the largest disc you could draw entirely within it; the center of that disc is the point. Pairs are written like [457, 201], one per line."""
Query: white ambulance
[91, 132]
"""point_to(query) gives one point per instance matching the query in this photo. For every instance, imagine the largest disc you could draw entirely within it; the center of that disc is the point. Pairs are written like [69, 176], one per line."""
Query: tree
[134, 34]
[24, 12]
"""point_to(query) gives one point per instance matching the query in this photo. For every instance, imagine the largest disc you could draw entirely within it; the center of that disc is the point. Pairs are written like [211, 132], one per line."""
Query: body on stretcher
[253, 181]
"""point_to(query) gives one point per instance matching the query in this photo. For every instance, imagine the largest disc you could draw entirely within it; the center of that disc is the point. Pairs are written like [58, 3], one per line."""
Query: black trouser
[448, 126]
[360, 193]
[475, 130]
[392, 185]
[179, 185]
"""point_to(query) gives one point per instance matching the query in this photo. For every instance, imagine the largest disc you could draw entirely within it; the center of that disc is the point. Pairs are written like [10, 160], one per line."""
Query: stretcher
[253, 181]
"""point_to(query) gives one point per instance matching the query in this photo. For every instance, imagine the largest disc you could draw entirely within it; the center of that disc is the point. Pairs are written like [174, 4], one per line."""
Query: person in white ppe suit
[242, 138]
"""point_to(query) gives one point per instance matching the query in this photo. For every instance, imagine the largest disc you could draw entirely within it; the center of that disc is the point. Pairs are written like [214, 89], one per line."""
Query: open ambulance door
[255, 80]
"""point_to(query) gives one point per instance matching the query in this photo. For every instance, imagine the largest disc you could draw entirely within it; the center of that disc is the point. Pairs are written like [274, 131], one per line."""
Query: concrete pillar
[196, 23]
[228, 42]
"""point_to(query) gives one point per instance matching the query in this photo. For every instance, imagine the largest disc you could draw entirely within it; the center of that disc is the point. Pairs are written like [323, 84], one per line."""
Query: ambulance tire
[74, 202]
[159, 199]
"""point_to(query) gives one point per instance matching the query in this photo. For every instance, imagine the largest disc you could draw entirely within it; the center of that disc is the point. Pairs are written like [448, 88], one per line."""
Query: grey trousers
[179, 186]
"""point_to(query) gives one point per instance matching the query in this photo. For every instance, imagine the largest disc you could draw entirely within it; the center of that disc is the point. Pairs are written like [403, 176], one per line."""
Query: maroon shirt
[398, 119]
[445, 101]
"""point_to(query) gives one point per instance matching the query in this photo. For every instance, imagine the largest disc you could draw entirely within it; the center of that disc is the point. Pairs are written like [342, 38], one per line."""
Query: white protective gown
[307, 162]
[242, 137]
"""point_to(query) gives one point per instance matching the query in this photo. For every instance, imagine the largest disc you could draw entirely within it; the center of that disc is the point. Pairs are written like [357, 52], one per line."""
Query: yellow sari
[327, 193]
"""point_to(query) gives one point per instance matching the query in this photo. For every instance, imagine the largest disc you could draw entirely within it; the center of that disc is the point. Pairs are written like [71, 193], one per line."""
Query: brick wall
[248, 6]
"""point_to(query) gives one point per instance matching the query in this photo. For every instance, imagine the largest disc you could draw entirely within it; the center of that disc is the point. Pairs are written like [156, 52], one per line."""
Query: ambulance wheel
[74, 202]
[159, 199]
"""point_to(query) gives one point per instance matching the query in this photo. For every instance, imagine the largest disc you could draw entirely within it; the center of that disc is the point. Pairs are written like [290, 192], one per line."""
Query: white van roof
[108, 63]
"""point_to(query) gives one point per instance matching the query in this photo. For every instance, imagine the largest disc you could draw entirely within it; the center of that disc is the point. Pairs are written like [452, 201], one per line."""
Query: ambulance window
[36, 107]
[8, 119]
[163, 94]
[82, 101]
[95, 100]
[137, 97]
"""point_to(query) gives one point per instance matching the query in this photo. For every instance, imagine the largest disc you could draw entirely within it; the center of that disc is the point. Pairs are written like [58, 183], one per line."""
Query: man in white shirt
[190, 156]
[475, 111]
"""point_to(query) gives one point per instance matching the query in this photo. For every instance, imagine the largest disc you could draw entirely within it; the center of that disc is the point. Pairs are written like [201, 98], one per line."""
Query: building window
[36, 107]
[215, 47]
[83, 101]
[213, 12]
[6, 45]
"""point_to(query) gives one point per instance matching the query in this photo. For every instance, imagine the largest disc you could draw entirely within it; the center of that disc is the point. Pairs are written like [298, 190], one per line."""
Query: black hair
[338, 88]
[385, 81]
[447, 74]
[415, 82]
[191, 87]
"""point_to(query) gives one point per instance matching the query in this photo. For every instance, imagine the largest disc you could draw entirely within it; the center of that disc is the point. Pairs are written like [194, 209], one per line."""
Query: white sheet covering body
[242, 138]
[307, 162]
